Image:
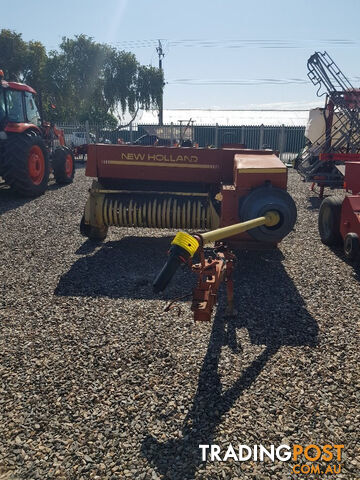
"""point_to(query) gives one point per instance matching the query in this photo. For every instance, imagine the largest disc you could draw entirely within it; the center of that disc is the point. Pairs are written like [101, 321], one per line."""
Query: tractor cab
[17, 106]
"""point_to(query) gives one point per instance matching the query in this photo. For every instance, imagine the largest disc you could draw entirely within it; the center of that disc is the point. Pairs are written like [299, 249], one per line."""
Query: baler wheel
[96, 234]
[63, 165]
[263, 199]
[329, 221]
[26, 164]
[351, 246]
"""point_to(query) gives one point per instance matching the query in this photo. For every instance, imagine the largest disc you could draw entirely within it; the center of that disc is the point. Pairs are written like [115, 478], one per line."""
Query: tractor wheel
[351, 246]
[329, 221]
[26, 164]
[93, 233]
[63, 165]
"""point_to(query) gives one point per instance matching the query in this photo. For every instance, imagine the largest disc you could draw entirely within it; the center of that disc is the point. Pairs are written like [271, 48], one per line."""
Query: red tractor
[28, 150]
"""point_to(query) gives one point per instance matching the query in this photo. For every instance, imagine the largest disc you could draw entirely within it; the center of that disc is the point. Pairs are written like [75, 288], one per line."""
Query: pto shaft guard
[183, 247]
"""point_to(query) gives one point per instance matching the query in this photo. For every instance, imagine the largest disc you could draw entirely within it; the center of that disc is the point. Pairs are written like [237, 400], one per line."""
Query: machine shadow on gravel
[80, 164]
[315, 203]
[354, 264]
[9, 200]
[122, 269]
[271, 309]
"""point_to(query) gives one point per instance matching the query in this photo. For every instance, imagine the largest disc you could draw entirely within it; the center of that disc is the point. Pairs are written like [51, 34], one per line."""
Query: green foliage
[86, 80]
[12, 54]
[150, 84]
[35, 59]
[119, 80]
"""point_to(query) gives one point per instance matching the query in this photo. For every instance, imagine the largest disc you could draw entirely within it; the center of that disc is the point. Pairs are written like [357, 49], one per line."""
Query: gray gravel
[96, 382]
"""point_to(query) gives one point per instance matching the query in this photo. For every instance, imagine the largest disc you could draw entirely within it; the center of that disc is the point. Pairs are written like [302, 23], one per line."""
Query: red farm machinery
[29, 147]
[194, 189]
[332, 156]
[333, 132]
[339, 219]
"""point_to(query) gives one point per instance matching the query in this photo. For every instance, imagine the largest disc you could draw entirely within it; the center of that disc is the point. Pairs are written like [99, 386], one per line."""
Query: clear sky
[224, 54]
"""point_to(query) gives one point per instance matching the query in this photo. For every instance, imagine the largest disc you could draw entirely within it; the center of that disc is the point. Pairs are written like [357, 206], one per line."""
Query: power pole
[161, 56]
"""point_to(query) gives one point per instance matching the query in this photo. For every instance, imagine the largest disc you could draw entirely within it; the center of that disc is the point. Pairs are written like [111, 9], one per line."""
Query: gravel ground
[96, 382]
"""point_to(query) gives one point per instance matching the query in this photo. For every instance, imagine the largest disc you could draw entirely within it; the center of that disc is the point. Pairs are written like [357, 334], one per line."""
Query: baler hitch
[211, 271]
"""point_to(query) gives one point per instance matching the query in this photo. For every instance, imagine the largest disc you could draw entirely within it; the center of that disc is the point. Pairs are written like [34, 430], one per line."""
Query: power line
[251, 82]
[258, 81]
[240, 43]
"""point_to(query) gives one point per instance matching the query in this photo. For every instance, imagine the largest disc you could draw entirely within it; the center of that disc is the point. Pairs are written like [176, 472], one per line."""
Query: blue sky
[224, 54]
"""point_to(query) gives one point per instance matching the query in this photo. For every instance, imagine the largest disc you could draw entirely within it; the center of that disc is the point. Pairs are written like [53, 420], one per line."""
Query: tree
[120, 75]
[105, 81]
[150, 84]
[130, 85]
[33, 68]
[12, 54]
[86, 80]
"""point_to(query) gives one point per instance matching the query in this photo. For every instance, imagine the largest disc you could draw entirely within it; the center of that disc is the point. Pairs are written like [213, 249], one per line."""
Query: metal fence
[282, 138]
[286, 139]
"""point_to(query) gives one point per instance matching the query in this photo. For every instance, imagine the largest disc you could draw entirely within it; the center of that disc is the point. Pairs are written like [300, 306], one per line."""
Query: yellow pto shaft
[184, 246]
[270, 219]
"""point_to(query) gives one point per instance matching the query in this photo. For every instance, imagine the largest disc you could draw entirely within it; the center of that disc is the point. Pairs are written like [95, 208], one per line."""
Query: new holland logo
[159, 157]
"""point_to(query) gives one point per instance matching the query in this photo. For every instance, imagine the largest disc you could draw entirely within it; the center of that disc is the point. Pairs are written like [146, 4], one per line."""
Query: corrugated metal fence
[285, 139]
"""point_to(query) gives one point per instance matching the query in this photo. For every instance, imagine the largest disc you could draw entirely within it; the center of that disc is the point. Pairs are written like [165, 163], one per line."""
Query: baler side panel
[229, 206]
[91, 163]
[251, 171]
[211, 166]
[158, 164]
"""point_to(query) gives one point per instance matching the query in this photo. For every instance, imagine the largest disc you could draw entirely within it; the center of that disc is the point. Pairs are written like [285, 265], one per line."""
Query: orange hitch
[211, 272]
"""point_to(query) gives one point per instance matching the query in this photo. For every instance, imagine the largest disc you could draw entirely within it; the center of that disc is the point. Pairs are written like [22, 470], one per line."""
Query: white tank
[315, 127]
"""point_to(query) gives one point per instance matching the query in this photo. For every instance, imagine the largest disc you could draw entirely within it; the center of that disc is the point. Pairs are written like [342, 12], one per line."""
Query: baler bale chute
[186, 188]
